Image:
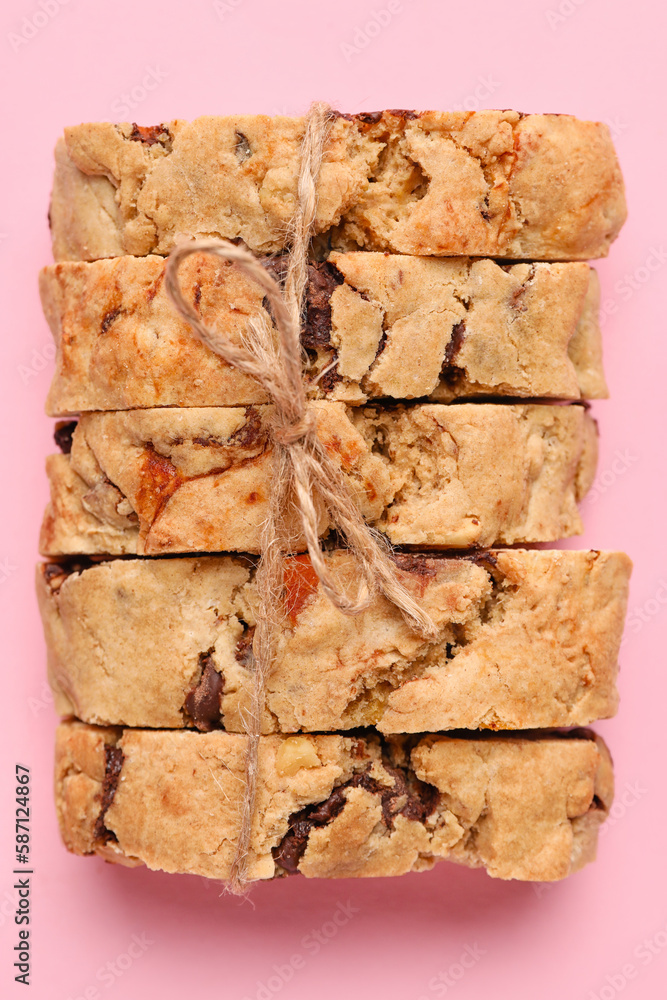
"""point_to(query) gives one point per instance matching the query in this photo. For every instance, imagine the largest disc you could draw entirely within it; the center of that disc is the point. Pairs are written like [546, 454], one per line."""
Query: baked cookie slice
[430, 183]
[526, 640]
[160, 481]
[332, 806]
[375, 325]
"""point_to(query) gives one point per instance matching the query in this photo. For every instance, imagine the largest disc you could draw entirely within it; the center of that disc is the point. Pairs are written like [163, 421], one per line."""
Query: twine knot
[290, 434]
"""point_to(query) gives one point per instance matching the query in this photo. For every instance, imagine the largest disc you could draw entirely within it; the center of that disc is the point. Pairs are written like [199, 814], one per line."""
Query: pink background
[591, 58]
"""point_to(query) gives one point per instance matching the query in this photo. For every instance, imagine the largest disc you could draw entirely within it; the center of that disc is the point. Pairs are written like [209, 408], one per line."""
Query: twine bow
[302, 469]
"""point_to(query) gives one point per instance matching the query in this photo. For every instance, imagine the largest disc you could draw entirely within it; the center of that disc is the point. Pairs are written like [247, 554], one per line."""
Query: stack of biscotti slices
[450, 337]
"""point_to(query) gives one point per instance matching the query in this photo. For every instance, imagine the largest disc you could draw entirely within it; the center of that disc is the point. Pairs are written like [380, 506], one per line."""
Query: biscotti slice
[391, 326]
[526, 640]
[197, 480]
[334, 806]
[431, 183]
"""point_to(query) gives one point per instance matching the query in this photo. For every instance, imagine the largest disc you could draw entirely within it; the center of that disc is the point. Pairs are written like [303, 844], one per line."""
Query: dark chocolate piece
[323, 278]
[203, 702]
[407, 796]
[113, 763]
[455, 343]
[417, 564]
[243, 652]
[63, 435]
[252, 434]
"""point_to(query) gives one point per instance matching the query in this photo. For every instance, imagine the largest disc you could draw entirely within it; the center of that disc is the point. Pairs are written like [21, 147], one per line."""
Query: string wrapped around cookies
[303, 472]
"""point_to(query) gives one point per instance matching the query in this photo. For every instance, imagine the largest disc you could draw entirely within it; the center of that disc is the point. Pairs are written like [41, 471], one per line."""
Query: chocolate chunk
[483, 558]
[54, 576]
[450, 372]
[243, 652]
[277, 267]
[113, 763]
[63, 435]
[289, 851]
[323, 278]
[401, 113]
[373, 117]
[407, 796]
[329, 380]
[56, 572]
[381, 344]
[455, 342]
[417, 564]
[203, 702]
[253, 433]
[52, 570]
[369, 117]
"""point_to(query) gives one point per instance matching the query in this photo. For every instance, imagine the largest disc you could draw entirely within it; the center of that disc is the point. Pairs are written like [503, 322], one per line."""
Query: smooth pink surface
[594, 59]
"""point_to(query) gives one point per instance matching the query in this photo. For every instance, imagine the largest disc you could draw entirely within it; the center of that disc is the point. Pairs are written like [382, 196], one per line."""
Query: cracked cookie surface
[432, 183]
[167, 480]
[334, 806]
[375, 326]
[526, 639]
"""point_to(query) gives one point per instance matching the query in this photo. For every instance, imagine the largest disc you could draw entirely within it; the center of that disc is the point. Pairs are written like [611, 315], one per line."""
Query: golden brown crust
[394, 326]
[522, 807]
[197, 479]
[526, 640]
[488, 184]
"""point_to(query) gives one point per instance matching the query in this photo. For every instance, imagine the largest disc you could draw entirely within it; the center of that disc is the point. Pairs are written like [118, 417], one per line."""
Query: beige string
[302, 469]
